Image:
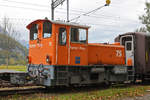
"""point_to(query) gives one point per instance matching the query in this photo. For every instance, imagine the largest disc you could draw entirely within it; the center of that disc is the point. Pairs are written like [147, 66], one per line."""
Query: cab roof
[57, 22]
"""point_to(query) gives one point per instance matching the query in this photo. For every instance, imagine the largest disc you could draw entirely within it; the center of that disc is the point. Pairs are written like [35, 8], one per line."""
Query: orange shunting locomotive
[60, 55]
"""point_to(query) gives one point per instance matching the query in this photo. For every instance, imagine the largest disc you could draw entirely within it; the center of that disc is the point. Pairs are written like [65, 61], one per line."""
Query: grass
[98, 94]
[16, 68]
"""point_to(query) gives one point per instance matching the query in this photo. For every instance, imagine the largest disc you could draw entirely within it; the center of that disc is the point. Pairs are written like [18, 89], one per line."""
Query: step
[62, 71]
[130, 70]
[130, 75]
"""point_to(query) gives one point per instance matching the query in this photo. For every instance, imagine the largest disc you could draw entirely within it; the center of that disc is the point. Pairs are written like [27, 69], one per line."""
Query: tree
[9, 31]
[145, 19]
[142, 29]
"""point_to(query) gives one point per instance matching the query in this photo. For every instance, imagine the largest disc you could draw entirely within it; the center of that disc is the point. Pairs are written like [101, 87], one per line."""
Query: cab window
[78, 35]
[62, 36]
[124, 39]
[34, 32]
[47, 29]
[129, 46]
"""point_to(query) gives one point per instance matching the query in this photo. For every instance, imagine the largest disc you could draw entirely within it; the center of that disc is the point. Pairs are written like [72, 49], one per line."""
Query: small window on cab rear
[78, 35]
[47, 29]
[34, 32]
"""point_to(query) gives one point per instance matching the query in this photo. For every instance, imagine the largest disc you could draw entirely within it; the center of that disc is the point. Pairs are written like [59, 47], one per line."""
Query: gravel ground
[145, 97]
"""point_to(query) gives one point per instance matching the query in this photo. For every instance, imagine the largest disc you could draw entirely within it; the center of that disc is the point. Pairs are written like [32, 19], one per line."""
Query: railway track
[21, 90]
[25, 90]
[4, 83]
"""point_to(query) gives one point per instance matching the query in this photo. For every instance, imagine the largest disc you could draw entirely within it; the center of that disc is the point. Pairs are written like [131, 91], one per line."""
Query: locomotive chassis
[79, 75]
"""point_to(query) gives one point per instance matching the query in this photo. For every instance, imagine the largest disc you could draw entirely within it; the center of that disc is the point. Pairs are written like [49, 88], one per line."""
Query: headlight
[48, 60]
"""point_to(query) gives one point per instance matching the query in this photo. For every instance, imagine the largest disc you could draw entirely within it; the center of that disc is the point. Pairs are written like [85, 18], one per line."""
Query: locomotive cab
[58, 43]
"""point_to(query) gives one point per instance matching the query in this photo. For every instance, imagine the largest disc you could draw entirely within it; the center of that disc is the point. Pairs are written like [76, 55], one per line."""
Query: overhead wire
[48, 10]
[39, 5]
[45, 10]
[85, 13]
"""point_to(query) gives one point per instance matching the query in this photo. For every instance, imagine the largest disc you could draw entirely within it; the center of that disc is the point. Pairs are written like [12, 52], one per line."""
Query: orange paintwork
[116, 43]
[129, 62]
[88, 54]
[106, 54]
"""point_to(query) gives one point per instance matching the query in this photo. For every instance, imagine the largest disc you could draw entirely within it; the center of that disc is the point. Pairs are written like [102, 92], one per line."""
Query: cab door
[46, 52]
[129, 51]
[34, 47]
[62, 45]
[78, 52]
